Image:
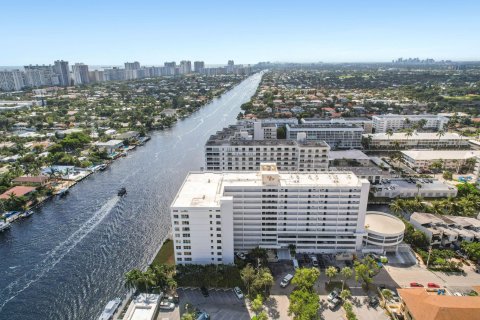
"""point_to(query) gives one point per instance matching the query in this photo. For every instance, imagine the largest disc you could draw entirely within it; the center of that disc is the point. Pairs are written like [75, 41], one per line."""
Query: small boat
[26, 214]
[122, 191]
[110, 309]
[63, 192]
[4, 225]
[11, 216]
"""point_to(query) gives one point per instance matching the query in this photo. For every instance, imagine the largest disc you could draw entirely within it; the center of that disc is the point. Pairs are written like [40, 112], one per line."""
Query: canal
[69, 258]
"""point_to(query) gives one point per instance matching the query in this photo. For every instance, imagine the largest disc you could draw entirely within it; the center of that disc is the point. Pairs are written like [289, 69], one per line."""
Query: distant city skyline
[110, 33]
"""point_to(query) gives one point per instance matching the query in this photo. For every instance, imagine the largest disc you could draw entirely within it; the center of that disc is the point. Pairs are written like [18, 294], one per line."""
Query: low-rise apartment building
[336, 135]
[446, 230]
[217, 213]
[428, 140]
[409, 188]
[421, 160]
[396, 122]
[365, 123]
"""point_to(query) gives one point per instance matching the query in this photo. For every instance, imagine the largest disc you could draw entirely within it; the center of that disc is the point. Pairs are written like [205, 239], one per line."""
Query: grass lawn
[165, 255]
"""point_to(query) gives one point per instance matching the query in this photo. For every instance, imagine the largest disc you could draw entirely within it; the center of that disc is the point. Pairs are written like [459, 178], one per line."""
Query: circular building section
[384, 232]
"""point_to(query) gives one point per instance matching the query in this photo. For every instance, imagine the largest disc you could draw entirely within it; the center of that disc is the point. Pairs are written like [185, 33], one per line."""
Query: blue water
[68, 260]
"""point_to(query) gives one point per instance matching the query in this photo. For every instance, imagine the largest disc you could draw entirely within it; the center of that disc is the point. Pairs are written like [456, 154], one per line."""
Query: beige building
[421, 160]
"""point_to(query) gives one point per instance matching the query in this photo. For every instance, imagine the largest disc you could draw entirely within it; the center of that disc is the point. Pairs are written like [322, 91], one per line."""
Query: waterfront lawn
[165, 255]
[210, 276]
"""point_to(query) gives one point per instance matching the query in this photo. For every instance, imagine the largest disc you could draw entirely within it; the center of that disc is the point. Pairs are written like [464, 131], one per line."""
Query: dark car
[204, 291]
[373, 302]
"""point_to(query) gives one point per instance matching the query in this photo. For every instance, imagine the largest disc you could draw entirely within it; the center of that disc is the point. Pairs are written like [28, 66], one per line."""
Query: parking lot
[360, 307]
[221, 304]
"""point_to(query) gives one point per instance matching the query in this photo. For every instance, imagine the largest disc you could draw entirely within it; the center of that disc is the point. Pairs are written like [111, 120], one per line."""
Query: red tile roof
[18, 191]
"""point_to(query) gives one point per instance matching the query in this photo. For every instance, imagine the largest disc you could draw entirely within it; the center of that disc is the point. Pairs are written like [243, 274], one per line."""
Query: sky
[110, 32]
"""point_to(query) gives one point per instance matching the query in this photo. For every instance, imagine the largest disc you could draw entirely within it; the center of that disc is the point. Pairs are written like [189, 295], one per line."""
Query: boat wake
[55, 255]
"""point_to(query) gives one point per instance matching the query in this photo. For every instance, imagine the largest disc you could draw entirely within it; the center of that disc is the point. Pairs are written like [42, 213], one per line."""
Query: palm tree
[345, 294]
[440, 134]
[346, 273]
[396, 206]
[133, 279]
[387, 294]
[421, 124]
[331, 273]
[248, 276]
[408, 133]
[419, 186]
[266, 278]
[389, 134]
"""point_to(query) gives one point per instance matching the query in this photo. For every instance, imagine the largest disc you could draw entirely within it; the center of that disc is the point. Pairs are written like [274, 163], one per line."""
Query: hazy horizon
[151, 32]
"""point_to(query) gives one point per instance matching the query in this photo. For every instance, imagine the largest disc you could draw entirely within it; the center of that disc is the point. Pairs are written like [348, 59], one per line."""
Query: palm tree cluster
[158, 276]
[467, 205]
[257, 281]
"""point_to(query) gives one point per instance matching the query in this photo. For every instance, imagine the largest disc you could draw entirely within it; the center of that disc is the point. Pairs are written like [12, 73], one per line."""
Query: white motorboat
[110, 309]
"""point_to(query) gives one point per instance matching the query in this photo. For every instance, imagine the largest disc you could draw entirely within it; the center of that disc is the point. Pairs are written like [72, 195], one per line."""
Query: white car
[166, 305]
[332, 295]
[240, 255]
[238, 292]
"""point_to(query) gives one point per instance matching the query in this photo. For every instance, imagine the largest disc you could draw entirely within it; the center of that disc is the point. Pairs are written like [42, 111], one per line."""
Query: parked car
[332, 304]
[238, 292]
[166, 305]
[433, 285]
[416, 284]
[477, 269]
[373, 302]
[202, 315]
[458, 294]
[204, 291]
[332, 295]
[286, 280]
[314, 261]
[240, 255]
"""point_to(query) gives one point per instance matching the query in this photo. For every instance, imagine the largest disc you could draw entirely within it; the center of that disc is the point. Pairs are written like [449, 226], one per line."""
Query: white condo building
[382, 123]
[336, 135]
[239, 148]
[216, 214]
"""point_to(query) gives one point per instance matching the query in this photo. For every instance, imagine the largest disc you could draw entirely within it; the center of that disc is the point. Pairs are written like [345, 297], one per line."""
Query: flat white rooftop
[383, 223]
[415, 136]
[348, 154]
[143, 307]
[444, 154]
[409, 116]
[204, 189]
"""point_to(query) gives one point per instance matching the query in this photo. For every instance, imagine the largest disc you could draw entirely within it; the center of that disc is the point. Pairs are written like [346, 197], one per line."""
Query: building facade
[365, 123]
[217, 214]
[236, 148]
[401, 140]
[396, 122]
[63, 71]
[80, 73]
[422, 160]
[336, 135]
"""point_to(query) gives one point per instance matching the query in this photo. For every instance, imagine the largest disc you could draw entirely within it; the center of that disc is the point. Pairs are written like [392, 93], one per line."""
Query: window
[219, 241]
[188, 259]
[179, 259]
[188, 253]
[178, 247]
[187, 247]
[184, 216]
[186, 235]
[218, 216]
[175, 216]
